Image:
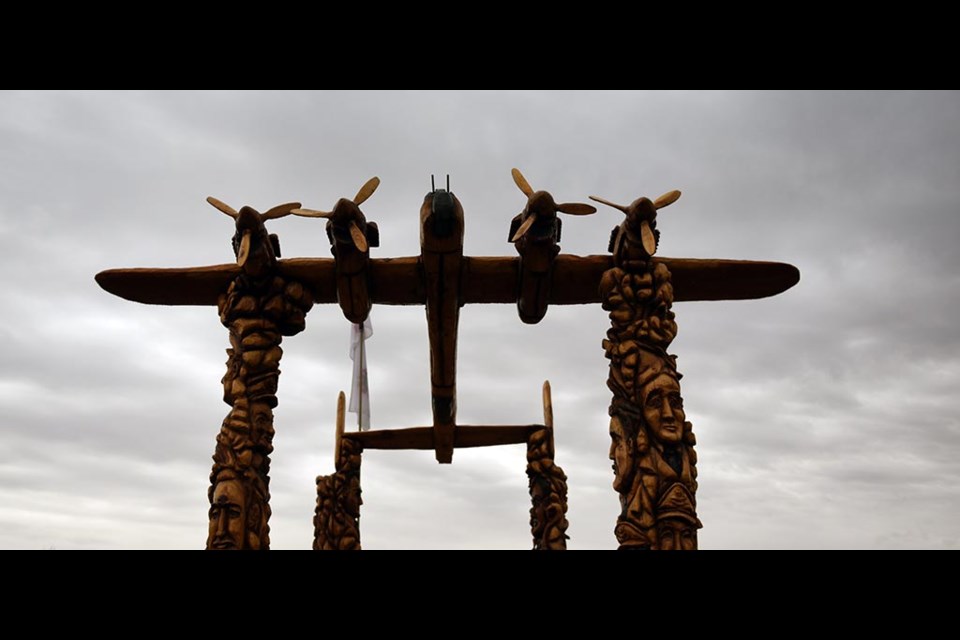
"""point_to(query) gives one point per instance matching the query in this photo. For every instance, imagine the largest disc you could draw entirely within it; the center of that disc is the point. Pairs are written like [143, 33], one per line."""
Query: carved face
[227, 516]
[663, 409]
[352, 499]
[676, 534]
[622, 452]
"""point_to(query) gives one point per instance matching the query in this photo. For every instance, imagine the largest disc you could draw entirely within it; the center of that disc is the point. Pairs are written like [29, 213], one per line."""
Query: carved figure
[336, 521]
[548, 485]
[651, 442]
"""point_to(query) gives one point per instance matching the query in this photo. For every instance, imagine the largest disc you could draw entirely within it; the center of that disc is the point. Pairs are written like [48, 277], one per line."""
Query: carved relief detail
[548, 493]
[257, 312]
[336, 523]
[652, 446]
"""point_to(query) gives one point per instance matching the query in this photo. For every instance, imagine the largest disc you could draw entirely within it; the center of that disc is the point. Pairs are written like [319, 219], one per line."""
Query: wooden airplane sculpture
[442, 279]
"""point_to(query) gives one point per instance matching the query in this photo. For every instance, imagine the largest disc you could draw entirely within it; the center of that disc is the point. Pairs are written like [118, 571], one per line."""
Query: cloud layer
[826, 416]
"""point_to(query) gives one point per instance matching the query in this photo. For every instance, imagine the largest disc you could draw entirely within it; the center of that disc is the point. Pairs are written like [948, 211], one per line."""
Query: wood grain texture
[258, 312]
[441, 257]
[548, 492]
[702, 279]
[465, 436]
[485, 279]
[652, 443]
[186, 286]
[547, 405]
[537, 256]
[336, 520]
[341, 423]
[352, 282]
[576, 279]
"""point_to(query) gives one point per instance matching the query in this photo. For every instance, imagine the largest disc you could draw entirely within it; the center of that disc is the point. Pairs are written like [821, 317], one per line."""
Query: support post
[258, 311]
[548, 485]
[336, 522]
[652, 444]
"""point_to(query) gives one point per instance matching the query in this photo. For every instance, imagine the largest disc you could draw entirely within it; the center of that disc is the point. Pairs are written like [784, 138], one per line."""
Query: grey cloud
[825, 416]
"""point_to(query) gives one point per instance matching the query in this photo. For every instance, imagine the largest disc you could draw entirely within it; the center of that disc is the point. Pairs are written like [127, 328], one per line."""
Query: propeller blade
[367, 190]
[359, 240]
[576, 208]
[524, 227]
[244, 252]
[649, 240]
[666, 199]
[522, 182]
[227, 209]
[609, 204]
[312, 213]
[280, 210]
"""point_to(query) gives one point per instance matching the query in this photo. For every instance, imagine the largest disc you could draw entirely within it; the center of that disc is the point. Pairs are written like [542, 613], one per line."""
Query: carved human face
[227, 516]
[352, 500]
[676, 534]
[622, 452]
[663, 409]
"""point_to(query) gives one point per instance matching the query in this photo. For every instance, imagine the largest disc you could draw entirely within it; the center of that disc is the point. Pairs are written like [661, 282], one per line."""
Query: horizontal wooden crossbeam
[463, 436]
[490, 280]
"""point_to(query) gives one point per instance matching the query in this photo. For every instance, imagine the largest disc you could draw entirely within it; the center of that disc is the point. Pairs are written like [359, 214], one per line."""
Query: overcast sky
[826, 417]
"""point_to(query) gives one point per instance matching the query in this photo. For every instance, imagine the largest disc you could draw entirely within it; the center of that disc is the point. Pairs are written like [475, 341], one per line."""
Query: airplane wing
[189, 285]
[576, 279]
[697, 279]
[399, 281]
[203, 285]
[393, 281]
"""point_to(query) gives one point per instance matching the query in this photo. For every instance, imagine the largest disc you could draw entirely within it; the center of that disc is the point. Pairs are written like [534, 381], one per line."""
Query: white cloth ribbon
[360, 389]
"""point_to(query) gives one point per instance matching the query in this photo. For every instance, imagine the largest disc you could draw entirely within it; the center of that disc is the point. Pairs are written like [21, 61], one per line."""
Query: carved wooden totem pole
[258, 308]
[652, 444]
[548, 485]
[336, 521]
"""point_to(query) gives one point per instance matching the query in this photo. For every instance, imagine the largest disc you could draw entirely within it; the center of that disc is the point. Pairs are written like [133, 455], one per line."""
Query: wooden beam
[547, 405]
[397, 281]
[190, 285]
[495, 280]
[411, 438]
[488, 436]
[341, 422]
[576, 279]
[696, 279]
[490, 280]
[465, 436]
[317, 274]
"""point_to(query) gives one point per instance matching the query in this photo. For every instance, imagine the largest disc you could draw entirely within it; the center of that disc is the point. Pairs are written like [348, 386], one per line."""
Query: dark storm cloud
[825, 416]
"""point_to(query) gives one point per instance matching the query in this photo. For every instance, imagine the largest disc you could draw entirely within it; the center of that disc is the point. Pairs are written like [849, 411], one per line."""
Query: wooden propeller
[571, 208]
[356, 234]
[366, 190]
[278, 211]
[647, 237]
[227, 209]
[359, 240]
